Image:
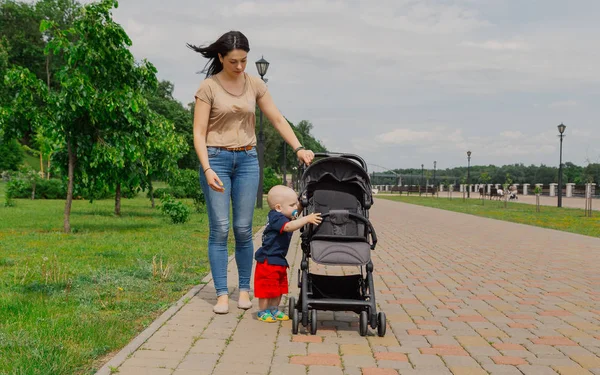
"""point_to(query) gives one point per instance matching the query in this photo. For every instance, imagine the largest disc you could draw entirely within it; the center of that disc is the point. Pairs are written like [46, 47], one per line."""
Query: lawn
[565, 219]
[68, 301]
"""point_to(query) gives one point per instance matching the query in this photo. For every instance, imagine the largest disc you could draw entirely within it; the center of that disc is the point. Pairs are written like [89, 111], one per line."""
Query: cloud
[404, 136]
[459, 74]
[512, 134]
[496, 45]
[564, 104]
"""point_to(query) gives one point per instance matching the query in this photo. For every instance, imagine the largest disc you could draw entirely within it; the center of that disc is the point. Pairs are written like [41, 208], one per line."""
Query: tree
[161, 101]
[11, 155]
[163, 152]
[572, 173]
[98, 114]
[20, 28]
[274, 144]
[484, 178]
[591, 173]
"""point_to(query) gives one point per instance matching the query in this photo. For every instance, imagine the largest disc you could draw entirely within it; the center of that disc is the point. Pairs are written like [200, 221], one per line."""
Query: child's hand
[314, 218]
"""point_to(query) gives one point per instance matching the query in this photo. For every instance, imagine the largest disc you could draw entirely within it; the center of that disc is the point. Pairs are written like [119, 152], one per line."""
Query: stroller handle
[354, 157]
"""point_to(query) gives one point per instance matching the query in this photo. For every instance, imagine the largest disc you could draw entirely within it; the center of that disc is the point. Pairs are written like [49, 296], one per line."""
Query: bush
[11, 155]
[185, 183]
[270, 179]
[51, 189]
[178, 212]
[44, 189]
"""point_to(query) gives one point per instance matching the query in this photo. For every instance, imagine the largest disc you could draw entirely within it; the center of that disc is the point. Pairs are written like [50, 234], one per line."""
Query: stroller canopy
[338, 169]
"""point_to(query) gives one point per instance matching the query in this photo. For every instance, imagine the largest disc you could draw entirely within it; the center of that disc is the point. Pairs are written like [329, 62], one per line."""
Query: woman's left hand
[305, 156]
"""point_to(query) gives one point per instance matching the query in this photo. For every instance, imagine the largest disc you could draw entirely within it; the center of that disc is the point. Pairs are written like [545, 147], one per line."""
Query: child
[270, 275]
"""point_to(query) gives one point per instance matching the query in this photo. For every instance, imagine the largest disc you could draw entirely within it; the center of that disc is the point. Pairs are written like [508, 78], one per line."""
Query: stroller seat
[340, 253]
[342, 237]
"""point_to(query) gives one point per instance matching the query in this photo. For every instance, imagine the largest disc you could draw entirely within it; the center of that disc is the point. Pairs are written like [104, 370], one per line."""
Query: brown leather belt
[245, 148]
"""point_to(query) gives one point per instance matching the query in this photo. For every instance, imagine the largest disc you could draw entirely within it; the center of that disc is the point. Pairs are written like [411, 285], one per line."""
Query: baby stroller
[338, 187]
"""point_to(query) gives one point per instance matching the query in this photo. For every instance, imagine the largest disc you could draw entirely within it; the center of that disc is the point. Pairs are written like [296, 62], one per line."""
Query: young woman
[225, 140]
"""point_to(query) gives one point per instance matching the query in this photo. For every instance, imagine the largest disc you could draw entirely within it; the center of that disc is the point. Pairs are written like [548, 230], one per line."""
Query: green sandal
[266, 316]
[280, 315]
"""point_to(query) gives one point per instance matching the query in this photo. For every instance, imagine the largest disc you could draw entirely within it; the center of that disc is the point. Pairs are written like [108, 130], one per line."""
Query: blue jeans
[238, 170]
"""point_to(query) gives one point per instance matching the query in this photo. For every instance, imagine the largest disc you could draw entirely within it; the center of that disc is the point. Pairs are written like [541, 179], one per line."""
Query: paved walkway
[463, 296]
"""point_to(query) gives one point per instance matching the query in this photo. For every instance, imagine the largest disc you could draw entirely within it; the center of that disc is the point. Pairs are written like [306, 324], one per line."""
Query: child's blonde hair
[277, 193]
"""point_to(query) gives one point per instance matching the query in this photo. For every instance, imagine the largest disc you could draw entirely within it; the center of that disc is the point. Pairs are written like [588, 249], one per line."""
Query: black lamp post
[261, 65]
[469, 174]
[561, 130]
[422, 174]
[284, 163]
[434, 166]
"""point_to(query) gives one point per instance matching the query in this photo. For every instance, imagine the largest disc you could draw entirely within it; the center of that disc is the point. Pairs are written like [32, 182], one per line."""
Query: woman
[225, 140]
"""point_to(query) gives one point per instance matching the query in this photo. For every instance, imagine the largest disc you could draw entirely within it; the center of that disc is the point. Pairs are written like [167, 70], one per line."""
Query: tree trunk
[48, 82]
[71, 171]
[48, 70]
[118, 200]
[41, 164]
[151, 191]
[33, 189]
[48, 167]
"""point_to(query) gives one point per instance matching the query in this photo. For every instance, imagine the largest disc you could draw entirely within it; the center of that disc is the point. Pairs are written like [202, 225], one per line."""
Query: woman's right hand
[213, 181]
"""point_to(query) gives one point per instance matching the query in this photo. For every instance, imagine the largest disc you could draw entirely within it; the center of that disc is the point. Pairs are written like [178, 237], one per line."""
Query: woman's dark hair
[225, 44]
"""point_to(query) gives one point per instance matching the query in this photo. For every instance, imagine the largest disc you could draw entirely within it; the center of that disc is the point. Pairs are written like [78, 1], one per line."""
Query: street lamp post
[434, 166]
[421, 183]
[469, 174]
[561, 130]
[284, 163]
[261, 65]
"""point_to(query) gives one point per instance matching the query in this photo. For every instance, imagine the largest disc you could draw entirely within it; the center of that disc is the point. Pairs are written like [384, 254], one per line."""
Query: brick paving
[463, 295]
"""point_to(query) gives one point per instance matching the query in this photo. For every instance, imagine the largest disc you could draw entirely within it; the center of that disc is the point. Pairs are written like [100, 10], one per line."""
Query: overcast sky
[404, 82]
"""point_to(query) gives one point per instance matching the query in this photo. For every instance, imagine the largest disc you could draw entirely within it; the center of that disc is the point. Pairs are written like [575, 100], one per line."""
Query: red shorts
[270, 281]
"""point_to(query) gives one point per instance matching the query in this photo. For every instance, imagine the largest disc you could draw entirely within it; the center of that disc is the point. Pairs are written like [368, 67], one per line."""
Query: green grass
[68, 301]
[565, 219]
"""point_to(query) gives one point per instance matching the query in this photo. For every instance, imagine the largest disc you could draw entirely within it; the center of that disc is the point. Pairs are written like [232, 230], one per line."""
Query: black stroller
[338, 187]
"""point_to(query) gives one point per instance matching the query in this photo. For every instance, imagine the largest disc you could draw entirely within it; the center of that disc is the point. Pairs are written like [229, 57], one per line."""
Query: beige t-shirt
[231, 122]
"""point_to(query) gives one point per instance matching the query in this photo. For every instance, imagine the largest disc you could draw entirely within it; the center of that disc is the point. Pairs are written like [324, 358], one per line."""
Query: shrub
[270, 179]
[11, 155]
[178, 212]
[44, 189]
[185, 183]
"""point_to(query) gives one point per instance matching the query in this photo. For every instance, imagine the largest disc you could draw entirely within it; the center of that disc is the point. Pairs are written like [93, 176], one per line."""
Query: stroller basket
[347, 287]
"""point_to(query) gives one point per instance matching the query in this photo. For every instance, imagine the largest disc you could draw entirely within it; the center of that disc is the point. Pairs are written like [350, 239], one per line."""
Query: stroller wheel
[313, 322]
[291, 305]
[381, 324]
[295, 321]
[363, 323]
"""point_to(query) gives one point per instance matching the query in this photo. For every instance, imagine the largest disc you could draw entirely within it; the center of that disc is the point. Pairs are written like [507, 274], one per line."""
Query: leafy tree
[572, 173]
[20, 29]
[591, 173]
[98, 114]
[484, 178]
[270, 179]
[11, 155]
[161, 101]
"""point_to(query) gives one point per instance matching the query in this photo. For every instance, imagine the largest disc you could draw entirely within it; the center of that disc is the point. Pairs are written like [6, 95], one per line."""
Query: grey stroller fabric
[340, 253]
[339, 195]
